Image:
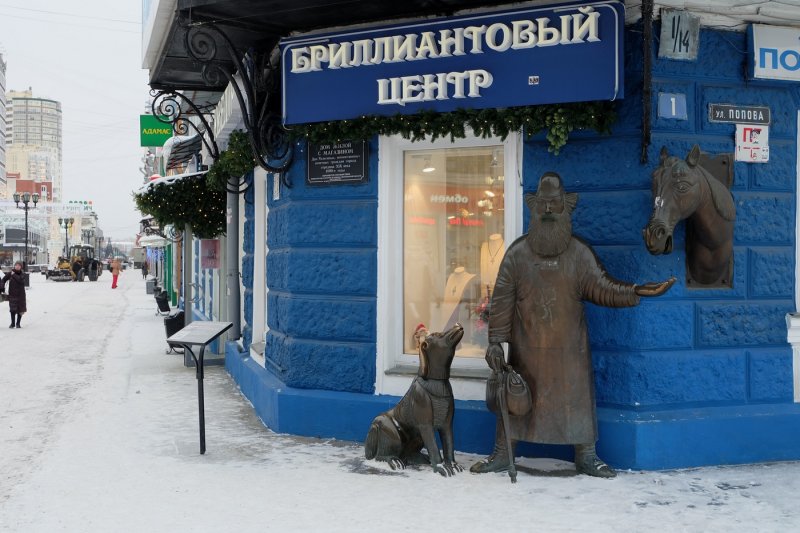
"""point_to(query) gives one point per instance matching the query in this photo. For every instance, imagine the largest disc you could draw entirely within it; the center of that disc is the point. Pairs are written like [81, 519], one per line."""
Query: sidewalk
[99, 433]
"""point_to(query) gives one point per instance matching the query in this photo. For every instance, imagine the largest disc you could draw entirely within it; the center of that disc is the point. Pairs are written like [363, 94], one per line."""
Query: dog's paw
[395, 463]
[443, 469]
[456, 467]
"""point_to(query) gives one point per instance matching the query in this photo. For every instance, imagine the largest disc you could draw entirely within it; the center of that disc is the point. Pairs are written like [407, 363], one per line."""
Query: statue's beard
[549, 238]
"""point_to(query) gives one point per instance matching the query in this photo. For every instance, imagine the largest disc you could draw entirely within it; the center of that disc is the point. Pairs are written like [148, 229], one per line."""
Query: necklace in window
[493, 255]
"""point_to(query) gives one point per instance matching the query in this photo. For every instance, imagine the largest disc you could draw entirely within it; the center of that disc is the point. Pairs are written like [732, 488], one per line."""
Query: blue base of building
[652, 440]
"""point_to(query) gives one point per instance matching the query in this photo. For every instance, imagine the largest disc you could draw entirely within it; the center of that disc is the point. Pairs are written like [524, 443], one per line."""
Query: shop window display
[453, 227]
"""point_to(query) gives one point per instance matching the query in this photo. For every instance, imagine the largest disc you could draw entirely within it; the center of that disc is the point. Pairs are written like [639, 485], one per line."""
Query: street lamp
[25, 198]
[66, 223]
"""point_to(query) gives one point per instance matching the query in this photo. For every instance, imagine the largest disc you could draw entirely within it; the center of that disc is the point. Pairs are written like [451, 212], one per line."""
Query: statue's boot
[498, 460]
[587, 462]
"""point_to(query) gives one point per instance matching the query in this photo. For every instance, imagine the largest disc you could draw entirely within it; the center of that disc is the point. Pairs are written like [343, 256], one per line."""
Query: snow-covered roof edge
[733, 15]
[169, 180]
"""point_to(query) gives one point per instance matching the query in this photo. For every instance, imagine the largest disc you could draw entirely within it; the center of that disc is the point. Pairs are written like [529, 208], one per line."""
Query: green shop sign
[152, 131]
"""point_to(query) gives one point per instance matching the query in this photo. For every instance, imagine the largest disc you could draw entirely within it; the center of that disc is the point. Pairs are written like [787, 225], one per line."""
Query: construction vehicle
[61, 272]
[80, 265]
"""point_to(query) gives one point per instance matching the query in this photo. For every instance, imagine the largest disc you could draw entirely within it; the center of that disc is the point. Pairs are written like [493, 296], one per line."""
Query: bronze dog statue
[398, 435]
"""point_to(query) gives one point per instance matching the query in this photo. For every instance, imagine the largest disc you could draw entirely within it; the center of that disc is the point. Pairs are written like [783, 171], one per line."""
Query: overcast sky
[87, 55]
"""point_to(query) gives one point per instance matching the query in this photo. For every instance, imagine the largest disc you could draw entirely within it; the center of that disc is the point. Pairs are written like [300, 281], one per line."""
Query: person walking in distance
[115, 268]
[144, 269]
[16, 293]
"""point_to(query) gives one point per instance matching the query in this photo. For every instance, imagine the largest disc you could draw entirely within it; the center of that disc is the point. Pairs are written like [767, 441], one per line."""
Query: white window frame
[388, 379]
[793, 333]
[260, 254]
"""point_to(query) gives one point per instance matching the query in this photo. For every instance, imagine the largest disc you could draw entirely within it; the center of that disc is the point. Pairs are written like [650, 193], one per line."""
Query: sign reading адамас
[541, 55]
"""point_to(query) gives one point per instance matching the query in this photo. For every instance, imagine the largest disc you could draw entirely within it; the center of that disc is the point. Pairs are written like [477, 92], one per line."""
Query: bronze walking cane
[512, 469]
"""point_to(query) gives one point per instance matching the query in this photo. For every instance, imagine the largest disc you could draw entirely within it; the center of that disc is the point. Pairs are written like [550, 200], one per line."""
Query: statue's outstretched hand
[495, 357]
[654, 288]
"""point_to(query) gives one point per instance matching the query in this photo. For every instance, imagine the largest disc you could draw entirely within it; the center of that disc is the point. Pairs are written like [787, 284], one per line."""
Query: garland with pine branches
[187, 201]
[557, 120]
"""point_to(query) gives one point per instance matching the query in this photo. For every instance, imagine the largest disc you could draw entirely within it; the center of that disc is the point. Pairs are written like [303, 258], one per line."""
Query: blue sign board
[672, 105]
[541, 55]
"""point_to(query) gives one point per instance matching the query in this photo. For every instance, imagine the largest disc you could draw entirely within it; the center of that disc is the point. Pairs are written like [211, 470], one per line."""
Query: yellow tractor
[80, 264]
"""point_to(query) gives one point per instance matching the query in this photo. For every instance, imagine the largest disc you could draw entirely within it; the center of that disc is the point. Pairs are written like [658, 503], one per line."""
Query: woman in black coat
[16, 293]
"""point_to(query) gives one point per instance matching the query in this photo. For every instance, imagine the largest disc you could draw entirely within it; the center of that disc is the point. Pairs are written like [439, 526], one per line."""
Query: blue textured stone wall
[248, 249]
[692, 347]
[322, 279]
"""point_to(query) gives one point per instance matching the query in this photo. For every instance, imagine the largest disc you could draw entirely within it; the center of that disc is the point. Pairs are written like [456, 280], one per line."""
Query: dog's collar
[431, 376]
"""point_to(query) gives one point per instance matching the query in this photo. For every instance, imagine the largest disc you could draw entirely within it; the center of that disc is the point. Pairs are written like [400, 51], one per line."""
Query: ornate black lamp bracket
[255, 81]
[174, 107]
[172, 234]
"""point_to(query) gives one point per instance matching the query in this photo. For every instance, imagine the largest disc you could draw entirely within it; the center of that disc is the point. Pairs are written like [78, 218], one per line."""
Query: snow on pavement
[98, 433]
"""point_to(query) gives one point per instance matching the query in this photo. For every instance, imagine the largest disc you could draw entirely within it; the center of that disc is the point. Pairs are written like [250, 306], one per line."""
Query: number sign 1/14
[680, 35]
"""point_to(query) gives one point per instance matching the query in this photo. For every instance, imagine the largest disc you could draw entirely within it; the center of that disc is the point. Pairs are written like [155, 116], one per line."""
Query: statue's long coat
[537, 308]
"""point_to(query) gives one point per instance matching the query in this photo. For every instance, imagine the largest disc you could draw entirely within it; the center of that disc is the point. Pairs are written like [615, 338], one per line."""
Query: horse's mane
[720, 195]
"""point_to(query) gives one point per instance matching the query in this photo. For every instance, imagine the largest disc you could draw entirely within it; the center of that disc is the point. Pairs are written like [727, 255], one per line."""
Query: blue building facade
[696, 377]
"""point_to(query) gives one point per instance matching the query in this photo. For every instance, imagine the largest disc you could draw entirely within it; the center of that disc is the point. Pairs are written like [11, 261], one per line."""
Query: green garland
[187, 201]
[234, 162]
[558, 120]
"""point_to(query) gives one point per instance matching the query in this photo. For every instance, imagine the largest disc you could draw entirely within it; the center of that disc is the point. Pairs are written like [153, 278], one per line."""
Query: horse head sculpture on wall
[682, 189]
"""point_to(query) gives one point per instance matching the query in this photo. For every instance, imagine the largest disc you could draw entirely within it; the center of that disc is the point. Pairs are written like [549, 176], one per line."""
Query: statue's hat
[550, 186]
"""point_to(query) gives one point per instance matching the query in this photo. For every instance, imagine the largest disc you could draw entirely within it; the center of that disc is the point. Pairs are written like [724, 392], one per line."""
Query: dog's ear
[420, 333]
[423, 359]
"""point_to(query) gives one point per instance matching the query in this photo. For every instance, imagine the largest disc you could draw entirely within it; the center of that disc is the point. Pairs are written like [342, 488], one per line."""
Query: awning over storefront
[180, 149]
[153, 241]
[260, 24]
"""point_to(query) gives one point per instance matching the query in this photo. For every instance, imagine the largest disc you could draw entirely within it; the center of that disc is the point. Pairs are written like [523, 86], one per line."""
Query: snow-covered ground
[98, 433]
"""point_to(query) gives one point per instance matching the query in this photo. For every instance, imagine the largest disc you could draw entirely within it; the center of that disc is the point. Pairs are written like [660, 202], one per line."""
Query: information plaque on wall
[333, 163]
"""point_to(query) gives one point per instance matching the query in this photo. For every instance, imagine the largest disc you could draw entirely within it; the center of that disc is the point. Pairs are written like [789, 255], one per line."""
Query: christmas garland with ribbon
[187, 201]
[558, 120]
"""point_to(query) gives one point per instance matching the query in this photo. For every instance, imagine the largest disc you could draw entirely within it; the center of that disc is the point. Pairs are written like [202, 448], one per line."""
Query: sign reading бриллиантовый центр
[566, 53]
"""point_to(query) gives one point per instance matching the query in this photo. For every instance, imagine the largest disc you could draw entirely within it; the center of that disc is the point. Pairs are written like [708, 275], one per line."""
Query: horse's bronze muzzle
[658, 238]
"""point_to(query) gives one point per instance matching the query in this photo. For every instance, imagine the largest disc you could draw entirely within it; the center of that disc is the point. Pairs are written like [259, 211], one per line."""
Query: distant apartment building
[2, 122]
[34, 139]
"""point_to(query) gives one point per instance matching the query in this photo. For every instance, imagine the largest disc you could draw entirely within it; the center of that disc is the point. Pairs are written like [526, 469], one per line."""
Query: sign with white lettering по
[738, 114]
[752, 143]
[342, 162]
[774, 52]
[565, 53]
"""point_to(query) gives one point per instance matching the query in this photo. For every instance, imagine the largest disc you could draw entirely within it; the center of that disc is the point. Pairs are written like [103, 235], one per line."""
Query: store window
[447, 211]
[453, 228]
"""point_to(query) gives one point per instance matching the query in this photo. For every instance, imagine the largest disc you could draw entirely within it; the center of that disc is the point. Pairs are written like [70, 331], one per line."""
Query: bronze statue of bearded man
[537, 308]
